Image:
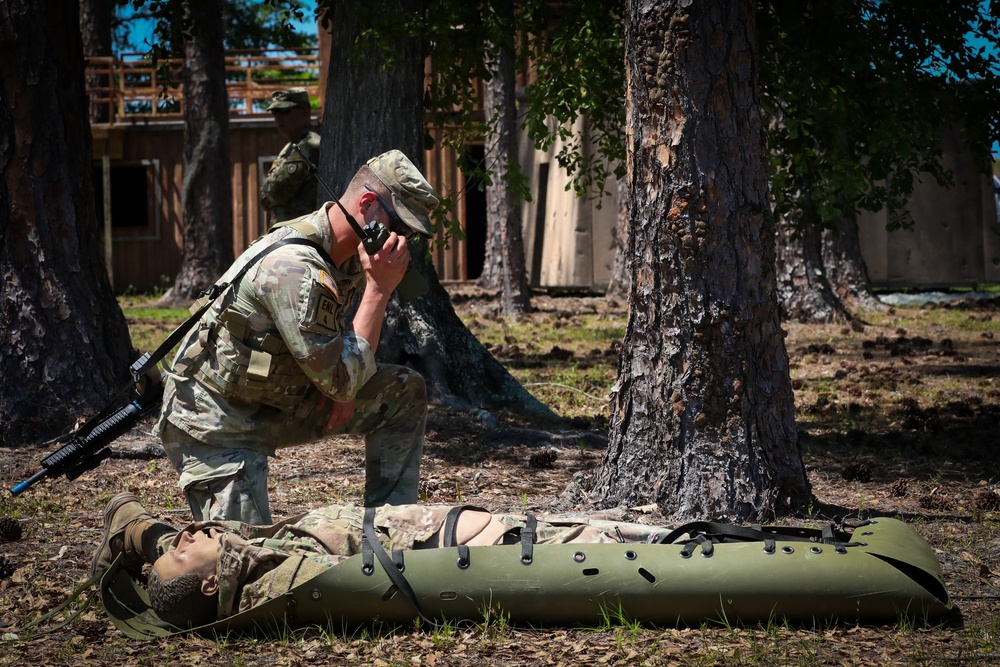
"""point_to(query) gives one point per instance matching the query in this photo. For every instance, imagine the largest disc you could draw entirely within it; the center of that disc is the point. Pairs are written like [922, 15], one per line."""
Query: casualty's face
[194, 552]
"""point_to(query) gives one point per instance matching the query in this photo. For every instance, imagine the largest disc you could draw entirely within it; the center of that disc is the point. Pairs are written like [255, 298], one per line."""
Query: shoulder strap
[150, 359]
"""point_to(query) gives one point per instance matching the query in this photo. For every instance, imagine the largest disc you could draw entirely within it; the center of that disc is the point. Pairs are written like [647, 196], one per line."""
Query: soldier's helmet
[293, 98]
[413, 198]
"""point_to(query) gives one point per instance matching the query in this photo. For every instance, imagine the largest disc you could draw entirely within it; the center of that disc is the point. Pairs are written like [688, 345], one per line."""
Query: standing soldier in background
[289, 189]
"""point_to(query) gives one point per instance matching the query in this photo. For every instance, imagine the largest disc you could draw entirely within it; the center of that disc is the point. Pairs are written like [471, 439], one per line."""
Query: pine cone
[856, 471]
[544, 459]
[6, 567]
[986, 501]
[10, 529]
[899, 488]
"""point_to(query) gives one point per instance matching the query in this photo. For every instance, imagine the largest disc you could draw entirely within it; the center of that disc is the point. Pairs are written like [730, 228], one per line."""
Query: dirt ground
[898, 416]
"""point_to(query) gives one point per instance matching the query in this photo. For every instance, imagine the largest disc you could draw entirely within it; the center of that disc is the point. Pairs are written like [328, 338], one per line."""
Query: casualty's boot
[129, 528]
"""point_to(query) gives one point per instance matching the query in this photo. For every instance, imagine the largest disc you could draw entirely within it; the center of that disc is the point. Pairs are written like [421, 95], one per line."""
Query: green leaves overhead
[858, 93]
[855, 93]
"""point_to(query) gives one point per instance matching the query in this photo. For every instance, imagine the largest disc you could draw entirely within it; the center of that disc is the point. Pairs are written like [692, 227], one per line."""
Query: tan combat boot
[129, 528]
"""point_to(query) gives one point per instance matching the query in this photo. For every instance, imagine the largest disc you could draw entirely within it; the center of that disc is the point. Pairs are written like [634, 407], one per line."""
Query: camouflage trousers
[230, 483]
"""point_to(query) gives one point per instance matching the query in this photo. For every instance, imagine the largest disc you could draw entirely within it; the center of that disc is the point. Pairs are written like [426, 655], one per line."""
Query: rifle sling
[149, 360]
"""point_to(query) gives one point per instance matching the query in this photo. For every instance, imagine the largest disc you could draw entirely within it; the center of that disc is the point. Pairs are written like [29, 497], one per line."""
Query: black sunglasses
[398, 226]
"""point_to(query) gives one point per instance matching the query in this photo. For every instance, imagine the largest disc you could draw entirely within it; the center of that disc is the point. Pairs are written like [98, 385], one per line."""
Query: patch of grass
[148, 325]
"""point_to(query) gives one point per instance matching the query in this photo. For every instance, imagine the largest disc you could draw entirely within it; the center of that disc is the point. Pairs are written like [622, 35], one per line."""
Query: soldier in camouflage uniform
[274, 363]
[212, 570]
[289, 189]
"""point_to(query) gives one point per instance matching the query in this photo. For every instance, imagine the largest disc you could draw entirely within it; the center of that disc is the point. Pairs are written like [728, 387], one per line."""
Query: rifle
[88, 445]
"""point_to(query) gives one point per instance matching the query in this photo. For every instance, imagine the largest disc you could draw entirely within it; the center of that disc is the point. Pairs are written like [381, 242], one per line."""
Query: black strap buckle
[213, 291]
[528, 539]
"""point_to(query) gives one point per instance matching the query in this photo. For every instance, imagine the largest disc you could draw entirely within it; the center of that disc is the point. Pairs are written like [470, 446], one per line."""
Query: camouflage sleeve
[296, 570]
[283, 182]
[308, 311]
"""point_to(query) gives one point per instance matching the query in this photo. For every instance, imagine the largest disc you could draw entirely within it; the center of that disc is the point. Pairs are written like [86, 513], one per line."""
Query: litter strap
[451, 523]
[720, 532]
[528, 539]
[370, 544]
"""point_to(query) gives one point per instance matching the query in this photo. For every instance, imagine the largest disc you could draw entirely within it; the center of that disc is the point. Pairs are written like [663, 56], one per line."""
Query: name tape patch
[326, 306]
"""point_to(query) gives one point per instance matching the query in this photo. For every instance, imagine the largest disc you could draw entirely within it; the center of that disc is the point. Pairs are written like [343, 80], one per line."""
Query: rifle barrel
[23, 486]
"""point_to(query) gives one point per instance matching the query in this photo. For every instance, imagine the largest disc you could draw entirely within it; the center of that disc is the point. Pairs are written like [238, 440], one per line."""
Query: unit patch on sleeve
[323, 306]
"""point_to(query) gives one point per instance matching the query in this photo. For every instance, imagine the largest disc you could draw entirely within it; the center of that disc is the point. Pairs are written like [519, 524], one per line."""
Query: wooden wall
[442, 172]
[145, 259]
[568, 240]
[955, 239]
[149, 258]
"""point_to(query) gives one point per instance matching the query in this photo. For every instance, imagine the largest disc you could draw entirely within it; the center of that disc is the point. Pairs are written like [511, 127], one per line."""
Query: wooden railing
[129, 87]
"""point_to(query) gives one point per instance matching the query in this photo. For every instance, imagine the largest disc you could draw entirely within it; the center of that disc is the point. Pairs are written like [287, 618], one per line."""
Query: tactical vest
[240, 362]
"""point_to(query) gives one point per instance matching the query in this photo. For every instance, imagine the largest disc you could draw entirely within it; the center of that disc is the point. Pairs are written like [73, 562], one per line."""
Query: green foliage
[856, 110]
[251, 24]
[575, 50]
[578, 52]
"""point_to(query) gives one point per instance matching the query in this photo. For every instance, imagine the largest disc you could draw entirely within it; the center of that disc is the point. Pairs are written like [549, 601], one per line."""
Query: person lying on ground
[211, 570]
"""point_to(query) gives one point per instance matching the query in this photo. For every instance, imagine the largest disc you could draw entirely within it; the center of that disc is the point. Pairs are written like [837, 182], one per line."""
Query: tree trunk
[821, 273]
[846, 267]
[428, 336]
[64, 343]
[702, 417]
[206, 193]
[370, 109]
[504, 265]
[618, 286]
[803, 287]
[95, 28]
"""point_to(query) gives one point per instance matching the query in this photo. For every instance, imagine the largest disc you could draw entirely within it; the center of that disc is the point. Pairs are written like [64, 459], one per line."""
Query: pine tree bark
[821, 273]
[206, 192]
[618, 286]
[64, 343]
[504, 265]
[846, 267]
[804, 290]
[428, 336]
[371, 109]
[702, 417]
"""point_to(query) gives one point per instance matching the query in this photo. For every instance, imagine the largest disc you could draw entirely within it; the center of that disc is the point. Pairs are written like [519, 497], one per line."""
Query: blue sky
[141, 32]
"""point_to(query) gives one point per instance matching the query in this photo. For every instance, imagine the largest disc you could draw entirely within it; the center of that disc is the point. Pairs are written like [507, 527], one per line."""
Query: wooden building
[955, 238]
[138, 153]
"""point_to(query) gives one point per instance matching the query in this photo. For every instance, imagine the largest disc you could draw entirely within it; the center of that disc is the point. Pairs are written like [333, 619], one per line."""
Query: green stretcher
[881, 572]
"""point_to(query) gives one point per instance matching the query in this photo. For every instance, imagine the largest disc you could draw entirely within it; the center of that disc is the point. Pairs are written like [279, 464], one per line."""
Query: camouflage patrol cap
[412, 196]
[293, 98]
